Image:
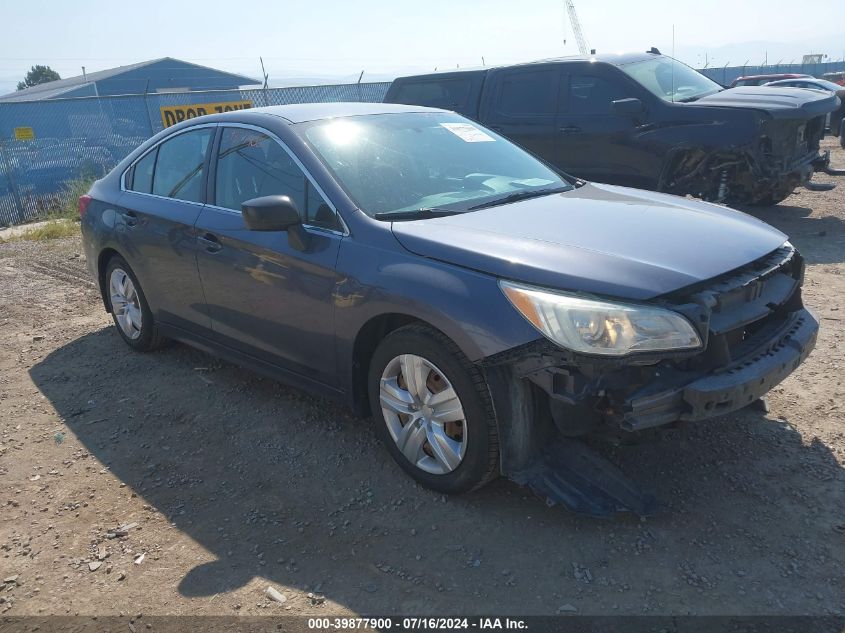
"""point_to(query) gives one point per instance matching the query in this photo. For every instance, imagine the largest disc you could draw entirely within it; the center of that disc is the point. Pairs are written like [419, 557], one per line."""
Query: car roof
[784, 75]
[791, 79]
[616, 59]
[302, 112]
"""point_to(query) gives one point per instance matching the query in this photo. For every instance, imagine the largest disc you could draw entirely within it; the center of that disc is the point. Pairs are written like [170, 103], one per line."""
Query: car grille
[748, 308]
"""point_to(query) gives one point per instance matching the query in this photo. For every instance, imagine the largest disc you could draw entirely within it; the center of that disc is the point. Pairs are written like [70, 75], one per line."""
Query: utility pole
[266, 81]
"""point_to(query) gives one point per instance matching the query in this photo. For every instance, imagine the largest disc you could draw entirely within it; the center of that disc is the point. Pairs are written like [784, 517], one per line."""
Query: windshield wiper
[415, 214]
[697, 97]
[518, 195]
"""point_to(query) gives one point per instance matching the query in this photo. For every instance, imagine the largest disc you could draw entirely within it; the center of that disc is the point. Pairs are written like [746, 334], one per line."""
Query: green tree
[38, 75]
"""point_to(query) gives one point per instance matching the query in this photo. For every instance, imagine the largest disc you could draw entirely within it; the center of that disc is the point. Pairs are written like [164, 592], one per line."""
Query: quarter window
[180, 164]
[142, 174]
[451, 94]
[317, 210]
[251, 165]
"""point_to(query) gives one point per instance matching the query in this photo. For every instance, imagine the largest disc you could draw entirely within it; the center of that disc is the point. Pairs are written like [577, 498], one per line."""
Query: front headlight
[601, 327]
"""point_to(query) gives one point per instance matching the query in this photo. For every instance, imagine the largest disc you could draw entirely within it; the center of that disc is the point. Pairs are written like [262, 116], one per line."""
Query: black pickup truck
[643, 120]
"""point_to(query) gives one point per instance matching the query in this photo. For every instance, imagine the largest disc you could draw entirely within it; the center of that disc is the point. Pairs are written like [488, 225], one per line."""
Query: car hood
[599, 239]
[780, 103]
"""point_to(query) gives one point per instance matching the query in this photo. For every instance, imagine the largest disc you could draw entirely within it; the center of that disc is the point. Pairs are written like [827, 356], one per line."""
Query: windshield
[391, 163]
[671, 80]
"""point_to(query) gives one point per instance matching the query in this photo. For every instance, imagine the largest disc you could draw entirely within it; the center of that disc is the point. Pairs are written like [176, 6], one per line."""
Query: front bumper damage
[727, 390]
[755, 330]
[785, 156]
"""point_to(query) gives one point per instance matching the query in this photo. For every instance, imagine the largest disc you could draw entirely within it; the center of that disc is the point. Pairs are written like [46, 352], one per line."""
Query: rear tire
[448, 443]
[842, 134]
[129, 308]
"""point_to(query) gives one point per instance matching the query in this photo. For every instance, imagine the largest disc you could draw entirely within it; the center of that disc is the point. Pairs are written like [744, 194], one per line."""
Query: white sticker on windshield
[468, 132]
[532, 182]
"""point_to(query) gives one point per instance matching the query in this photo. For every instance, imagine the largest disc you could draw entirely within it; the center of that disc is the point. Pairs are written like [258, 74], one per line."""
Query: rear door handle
[570, 129]
[209, 242]
[129, 218]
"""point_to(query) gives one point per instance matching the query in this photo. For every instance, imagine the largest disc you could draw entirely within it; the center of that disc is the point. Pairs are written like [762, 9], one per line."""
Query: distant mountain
[755, 53]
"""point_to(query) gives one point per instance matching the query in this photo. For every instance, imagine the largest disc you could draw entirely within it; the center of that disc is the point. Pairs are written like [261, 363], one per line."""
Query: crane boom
[576, 28]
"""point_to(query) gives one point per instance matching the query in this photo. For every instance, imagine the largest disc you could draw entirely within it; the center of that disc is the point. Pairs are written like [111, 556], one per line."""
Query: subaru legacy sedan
[481, 306]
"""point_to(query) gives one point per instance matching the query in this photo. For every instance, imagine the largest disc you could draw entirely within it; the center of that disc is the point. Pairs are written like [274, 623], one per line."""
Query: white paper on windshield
[532, 182]
[468, 132]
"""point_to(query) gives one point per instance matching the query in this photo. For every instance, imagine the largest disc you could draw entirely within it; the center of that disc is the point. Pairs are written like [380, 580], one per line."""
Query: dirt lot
[236, 482]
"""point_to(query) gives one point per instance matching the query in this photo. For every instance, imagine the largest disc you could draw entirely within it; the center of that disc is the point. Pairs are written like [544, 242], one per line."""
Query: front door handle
[571, 129]
[209, 242]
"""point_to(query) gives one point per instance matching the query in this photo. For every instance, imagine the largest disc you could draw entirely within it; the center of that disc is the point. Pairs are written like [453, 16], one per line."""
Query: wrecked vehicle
[422, 269]
[759, 80]
[834, 119]
[642, 120]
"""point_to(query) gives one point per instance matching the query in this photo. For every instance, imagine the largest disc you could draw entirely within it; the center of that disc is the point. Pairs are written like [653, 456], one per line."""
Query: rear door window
[180, 165]
[449, 94]
[528, 93]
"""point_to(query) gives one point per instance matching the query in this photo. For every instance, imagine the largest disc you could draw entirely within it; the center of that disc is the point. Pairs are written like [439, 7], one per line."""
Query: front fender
[467, 306]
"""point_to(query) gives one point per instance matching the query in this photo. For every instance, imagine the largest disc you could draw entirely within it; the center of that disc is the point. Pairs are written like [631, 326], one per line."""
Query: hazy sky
[334, 39]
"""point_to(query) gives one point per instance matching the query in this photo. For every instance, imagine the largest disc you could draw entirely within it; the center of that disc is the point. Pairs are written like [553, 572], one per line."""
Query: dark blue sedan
[480, 305]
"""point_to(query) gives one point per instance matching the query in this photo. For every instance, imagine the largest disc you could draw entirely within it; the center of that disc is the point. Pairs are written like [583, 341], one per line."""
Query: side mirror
[627, 107]
[270, 213]
[276, 213]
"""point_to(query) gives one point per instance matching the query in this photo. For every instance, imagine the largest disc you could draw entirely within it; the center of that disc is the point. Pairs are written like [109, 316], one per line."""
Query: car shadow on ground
[278, 485]
[820, 239]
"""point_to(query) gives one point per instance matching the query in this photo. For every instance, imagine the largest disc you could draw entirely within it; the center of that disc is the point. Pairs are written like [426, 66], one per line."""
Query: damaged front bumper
[727, 389]
[756, 331]
[785, 156]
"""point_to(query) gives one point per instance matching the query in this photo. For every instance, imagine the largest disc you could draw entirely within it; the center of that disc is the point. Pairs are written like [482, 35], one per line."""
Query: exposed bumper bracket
[822, 163]
[819, 186]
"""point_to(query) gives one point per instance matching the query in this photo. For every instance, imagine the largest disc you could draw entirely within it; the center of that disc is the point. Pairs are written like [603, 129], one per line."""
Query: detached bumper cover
[731, 388]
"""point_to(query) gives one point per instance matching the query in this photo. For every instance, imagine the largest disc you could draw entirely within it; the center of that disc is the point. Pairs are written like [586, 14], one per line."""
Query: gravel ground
[174, 483]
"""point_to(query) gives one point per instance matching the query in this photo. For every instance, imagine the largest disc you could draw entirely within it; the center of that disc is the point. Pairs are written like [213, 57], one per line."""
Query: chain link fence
[46, 144]
[726, 74]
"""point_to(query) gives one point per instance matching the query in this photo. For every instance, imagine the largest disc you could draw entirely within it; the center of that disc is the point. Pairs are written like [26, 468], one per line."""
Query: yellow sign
[24, 134]
[171, 115]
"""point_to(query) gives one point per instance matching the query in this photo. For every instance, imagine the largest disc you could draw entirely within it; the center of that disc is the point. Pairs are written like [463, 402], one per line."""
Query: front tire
[129, 308]
[433, 410]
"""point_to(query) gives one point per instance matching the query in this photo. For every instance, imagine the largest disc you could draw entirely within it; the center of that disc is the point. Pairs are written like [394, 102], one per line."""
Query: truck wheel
[433, 410]
[842, 134]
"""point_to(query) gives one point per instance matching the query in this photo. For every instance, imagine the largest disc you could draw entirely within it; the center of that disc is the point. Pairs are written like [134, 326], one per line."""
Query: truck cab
[642, 120]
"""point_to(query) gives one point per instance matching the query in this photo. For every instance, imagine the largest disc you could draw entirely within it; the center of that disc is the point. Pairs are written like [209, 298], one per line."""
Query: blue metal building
[155, 76]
